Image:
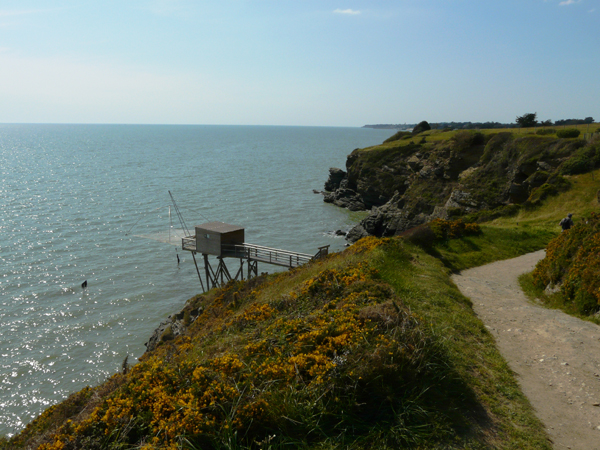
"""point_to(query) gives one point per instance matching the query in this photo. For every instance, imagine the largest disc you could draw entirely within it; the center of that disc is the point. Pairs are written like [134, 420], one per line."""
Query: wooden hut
[218, 238]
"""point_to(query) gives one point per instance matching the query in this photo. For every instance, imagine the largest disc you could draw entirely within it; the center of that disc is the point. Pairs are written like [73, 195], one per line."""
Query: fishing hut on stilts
[227, 241]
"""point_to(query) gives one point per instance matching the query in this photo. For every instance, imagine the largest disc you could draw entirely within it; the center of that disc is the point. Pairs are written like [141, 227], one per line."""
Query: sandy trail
[556, 356]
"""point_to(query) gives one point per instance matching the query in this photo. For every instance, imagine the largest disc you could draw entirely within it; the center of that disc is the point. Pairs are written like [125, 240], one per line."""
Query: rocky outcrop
[345, 198]
[404, 184]
[338, 192]
[174, 326]
[387, 220]
[335, 178]
[463, 200]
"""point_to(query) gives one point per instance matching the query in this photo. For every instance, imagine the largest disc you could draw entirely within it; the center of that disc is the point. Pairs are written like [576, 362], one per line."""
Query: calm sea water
[90, 202]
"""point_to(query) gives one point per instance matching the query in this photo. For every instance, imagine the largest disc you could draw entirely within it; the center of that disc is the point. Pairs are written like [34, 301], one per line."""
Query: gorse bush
[452, 229]
[438, 230]
[373, 348]
[573, 262]
[567, 133]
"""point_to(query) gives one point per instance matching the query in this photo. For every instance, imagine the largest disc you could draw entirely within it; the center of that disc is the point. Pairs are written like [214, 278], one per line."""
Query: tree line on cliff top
[527, 120]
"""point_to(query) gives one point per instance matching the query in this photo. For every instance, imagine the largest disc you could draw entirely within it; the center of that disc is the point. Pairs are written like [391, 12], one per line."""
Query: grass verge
[553, 300]
[502, 414]
[493, 244]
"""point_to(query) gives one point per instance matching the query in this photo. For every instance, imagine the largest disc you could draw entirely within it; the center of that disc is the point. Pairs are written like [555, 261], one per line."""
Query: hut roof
[219, 227]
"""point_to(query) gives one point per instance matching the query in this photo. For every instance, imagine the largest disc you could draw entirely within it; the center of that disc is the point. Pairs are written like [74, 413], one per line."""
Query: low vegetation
[370, 348]
[568, 133]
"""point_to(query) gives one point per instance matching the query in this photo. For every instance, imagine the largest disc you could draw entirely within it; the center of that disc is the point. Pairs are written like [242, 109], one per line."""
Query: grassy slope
[420, 372]
[504, 416]
[551, 300]
[527, 231]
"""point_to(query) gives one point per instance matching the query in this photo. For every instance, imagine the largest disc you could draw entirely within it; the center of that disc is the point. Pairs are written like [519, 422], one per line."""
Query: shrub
[455, 212]
[567, 133]
[423, 236]
[584, 159]
[422, 126]
[452, 229]
[465, 139]
[545, 131]
[338, 352]
[576, 165]
[438, 230]
[478, 138]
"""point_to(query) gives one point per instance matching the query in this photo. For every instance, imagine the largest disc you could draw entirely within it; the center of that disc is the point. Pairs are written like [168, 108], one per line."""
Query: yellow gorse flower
[298, 352]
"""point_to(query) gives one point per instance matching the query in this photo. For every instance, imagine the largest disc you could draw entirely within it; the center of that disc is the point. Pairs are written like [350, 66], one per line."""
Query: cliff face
[405, 184]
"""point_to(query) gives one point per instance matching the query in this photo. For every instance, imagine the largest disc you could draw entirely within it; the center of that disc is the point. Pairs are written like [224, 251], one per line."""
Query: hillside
[373, 347]
[412, 179]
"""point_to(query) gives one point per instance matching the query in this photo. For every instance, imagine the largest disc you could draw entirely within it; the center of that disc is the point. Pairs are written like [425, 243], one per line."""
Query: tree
[527, 120]
[546, 123]
[588, 120]
[422, 126]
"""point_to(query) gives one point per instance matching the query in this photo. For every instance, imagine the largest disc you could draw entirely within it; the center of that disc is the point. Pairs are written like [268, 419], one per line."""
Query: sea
[91, 203]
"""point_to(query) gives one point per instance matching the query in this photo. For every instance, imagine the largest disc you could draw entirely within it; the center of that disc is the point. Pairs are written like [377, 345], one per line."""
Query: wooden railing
[260, 253]
[266, 254]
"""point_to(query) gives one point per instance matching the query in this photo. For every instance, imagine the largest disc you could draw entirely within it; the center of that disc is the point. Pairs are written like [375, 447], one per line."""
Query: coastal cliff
[414, 179]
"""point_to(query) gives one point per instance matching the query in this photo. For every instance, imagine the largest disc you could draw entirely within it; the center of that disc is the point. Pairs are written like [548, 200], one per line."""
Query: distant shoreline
[390, 127]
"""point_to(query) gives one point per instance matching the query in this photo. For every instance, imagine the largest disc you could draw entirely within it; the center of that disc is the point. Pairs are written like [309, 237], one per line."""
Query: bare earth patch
[556, 356]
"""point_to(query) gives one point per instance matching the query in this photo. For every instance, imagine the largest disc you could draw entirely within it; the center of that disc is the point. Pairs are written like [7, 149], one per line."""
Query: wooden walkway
[252, 252]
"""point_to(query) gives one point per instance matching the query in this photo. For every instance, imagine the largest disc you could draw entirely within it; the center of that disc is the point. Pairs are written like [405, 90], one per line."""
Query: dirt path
[556, 356]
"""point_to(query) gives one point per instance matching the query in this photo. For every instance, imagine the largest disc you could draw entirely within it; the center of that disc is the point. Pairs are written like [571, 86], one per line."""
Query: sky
[302, 62]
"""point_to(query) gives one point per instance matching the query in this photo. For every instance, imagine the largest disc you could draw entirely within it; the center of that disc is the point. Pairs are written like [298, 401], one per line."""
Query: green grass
[504, 416]
[495, 243]
[415, 368]
[438, 135]
[580, 200]
[527, 231]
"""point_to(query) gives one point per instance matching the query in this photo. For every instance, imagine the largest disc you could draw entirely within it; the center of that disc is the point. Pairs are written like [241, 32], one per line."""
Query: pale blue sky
[302, 62]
